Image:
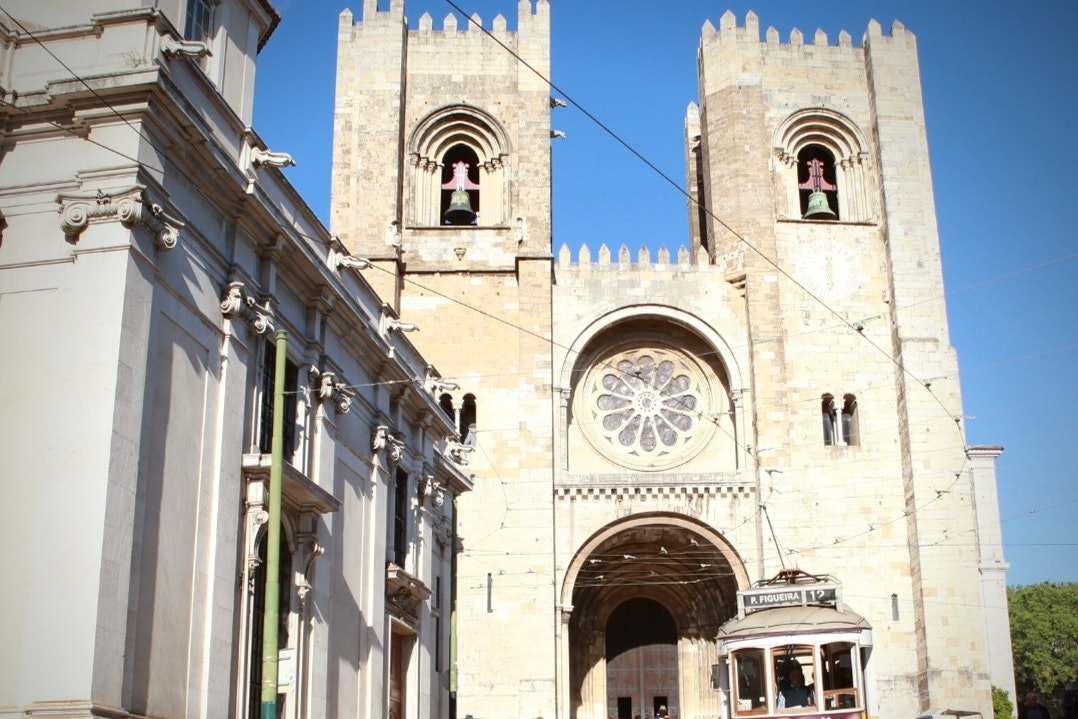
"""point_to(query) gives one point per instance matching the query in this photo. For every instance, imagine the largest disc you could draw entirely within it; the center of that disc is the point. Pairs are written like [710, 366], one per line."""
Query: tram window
[839, 670]
[796, 676]
[749, 682]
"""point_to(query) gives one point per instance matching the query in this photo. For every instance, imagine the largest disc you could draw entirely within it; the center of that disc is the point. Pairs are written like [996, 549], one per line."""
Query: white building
[150, 250]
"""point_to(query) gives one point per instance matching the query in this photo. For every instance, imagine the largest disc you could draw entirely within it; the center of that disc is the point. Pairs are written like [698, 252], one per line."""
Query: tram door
[641, 661]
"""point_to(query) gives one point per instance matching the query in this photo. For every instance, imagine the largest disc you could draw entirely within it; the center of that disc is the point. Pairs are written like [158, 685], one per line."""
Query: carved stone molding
[404, 594]
[194, 49]
[130, 207]
[237, 304]
[385, 440]
[309, 550]
[333, 391]
[459, 452]
[267, 158]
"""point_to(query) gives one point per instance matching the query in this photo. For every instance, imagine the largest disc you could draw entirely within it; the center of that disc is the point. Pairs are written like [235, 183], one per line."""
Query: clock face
[829, 270]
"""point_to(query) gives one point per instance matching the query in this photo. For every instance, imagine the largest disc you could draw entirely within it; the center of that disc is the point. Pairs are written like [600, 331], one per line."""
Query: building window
[839, 422]
[460, 186]
[446, 403]
[816, 183]
[826, 165]
[467, 420]
[463, 151]
[436, 610]
[398, 549]
[258, 613]
[198, 24]
[266, 392]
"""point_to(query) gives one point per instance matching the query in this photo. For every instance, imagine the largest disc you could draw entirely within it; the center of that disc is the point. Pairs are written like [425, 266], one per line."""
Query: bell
[460, 209]
[817, 207]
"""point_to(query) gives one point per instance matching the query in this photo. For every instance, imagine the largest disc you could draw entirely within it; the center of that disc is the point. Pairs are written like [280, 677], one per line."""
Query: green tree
[1002, 708]
[1044, 637]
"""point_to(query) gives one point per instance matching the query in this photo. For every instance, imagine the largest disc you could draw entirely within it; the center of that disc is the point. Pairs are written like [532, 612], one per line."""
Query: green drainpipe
[273, 539]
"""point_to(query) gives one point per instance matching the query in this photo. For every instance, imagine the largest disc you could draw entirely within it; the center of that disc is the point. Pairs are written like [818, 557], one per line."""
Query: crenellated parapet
[529, 18]
[729, 30]
[681, 260]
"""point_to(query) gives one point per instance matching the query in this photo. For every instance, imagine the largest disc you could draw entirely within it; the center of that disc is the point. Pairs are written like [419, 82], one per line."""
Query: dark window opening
[258, 613]
[291, 383]
[827, 411]
[849, 419]
[400, 518]
[460, 186]
[625, 708]
[446, 403]
[817, 183]
[198, 25]
[702, 218]
[840, 427]
[467, 419]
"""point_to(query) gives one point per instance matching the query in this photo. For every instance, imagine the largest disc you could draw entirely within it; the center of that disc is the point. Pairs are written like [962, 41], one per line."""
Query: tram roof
[792, 620]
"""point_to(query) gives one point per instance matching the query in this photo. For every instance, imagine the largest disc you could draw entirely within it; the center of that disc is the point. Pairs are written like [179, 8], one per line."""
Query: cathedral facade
[659, 440]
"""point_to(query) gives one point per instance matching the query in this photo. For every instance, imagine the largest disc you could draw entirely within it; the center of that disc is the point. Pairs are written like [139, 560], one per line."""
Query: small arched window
[839, 422]
[817, 184]
[460, 186]
[826, 168]
[458, 149]
[446, 403]
[849, 420]
[467, 420]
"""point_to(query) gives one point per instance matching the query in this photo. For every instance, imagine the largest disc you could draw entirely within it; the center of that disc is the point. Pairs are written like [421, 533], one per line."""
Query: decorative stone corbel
[385, 440]
[310, 550]
[194, 49]
[331, 390]
[436, 385]
[389, 323]
[393, 235]
[237, 304]
[338, 259]
[459, 452]
[129, 207]
[520, 229]
[267, 158]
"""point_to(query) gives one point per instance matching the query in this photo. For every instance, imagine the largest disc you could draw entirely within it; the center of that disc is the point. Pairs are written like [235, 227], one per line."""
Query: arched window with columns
[458, 146]
[819, 150]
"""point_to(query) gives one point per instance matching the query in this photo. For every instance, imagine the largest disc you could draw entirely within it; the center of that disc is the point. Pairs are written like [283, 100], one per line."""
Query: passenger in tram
[794, 693]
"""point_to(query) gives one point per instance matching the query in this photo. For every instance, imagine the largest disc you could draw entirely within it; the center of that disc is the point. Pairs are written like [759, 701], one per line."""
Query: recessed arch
[839, 136]
[675, 524]
[651, 388]
[648, 565]
[458, 130]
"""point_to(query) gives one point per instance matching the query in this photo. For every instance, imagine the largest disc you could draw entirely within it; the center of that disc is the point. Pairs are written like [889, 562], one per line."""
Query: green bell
[818, 207]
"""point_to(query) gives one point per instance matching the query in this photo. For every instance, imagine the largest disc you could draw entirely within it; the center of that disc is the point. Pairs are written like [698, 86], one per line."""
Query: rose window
[646, 407]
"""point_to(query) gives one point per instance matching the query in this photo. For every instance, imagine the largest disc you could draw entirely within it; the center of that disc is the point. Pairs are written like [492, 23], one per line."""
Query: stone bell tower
[816, 153]
[441, 178]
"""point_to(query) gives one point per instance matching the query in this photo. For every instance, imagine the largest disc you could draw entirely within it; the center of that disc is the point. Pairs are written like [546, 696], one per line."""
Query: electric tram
[794, 650]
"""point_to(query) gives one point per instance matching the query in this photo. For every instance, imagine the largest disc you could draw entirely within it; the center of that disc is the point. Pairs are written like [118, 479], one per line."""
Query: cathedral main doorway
[641, 661]
[648, 594]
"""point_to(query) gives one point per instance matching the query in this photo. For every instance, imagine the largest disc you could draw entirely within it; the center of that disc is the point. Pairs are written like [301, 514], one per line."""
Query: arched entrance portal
[641, 660]
[648, 594]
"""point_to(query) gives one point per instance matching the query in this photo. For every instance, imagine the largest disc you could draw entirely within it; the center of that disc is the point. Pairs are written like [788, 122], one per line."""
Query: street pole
[273, 538]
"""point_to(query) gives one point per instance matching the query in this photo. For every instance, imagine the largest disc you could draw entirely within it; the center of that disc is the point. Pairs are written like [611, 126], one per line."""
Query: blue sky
[1001, 103]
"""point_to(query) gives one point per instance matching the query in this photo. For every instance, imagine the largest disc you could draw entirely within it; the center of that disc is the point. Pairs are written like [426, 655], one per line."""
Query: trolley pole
[273, 538]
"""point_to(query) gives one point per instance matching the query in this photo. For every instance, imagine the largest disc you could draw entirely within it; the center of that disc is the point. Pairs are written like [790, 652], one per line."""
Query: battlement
[750, 32]
[451, 25]
[604, 259]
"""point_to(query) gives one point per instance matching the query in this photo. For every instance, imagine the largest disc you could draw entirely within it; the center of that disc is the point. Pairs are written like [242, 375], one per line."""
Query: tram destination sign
[788, 596]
